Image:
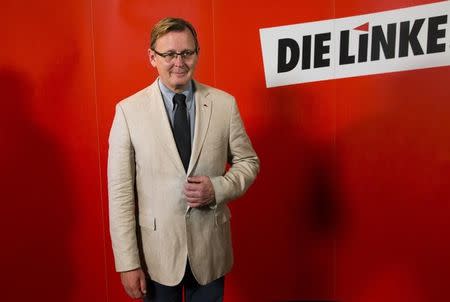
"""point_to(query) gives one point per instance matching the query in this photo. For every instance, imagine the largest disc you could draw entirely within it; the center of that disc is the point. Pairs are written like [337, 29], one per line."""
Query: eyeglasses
[169, 56]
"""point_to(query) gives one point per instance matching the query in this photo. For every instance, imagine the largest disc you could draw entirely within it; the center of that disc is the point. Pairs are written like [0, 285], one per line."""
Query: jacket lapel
[161, 125]
[202, 118]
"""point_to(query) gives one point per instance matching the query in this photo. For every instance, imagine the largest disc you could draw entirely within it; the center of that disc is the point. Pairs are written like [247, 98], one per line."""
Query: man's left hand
[199, 191]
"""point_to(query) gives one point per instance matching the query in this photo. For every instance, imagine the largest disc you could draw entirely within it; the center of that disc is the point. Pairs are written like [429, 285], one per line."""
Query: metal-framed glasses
[169, 56]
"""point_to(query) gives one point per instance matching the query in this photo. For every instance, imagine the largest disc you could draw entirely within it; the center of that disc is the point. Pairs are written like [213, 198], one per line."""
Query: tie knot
[179, 99]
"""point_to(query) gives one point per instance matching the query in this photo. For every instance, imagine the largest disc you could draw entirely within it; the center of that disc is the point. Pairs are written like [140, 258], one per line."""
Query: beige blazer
[146, 179]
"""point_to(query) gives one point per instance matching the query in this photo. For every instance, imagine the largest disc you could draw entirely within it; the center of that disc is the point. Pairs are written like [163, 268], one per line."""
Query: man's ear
[152, 57]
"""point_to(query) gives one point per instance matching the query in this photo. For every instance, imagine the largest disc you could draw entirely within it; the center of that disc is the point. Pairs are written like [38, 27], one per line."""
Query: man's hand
[134, 283]
[199, 191]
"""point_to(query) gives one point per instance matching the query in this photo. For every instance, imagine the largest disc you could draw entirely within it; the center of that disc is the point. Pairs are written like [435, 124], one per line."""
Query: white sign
[403, 39]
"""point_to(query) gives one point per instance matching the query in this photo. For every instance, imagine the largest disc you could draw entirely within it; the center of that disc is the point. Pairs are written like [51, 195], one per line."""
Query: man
[168, 179]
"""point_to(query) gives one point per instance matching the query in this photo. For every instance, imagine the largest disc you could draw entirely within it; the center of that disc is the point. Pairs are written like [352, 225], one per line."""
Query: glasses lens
[171, 55]
[187, 54]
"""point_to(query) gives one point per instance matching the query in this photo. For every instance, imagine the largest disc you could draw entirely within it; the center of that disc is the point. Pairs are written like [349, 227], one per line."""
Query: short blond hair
[169, 24]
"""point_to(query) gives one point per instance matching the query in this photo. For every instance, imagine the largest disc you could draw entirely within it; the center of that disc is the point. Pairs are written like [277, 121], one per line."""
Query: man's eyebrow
[173, 50]
[170, 50]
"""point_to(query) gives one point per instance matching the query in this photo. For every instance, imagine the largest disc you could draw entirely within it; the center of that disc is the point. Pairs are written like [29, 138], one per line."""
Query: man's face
[177, 72]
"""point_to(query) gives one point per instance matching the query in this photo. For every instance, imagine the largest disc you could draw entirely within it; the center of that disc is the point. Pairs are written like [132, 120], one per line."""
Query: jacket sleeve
[243, 160]
[121, 183]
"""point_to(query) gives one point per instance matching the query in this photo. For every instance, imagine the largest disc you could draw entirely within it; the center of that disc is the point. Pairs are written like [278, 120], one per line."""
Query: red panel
[51, 220]
[352, 199]
[393, 144]
[282, 230]
[393, 149]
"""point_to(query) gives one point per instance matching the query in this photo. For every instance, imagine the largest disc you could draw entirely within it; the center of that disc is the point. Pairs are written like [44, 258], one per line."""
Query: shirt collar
[168, 94]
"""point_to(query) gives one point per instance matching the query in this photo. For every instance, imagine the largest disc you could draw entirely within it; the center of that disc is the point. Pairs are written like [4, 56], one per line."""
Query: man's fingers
[195, 186]
[134, 290]
[132, 282]
[194, 200]
[134, 293]
[192, 186]
[192, 194]
[196, 179]
[198, 191]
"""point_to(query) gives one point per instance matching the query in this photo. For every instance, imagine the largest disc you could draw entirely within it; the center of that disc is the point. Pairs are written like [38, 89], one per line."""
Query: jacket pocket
[147, 221]
[222, 216]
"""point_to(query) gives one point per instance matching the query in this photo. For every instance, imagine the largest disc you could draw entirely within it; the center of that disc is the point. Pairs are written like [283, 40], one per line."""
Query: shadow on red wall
[395, 168]
[285, 249]
[36, 212]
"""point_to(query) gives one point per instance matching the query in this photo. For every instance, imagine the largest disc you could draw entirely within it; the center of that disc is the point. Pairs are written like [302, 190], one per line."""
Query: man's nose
[178, 60]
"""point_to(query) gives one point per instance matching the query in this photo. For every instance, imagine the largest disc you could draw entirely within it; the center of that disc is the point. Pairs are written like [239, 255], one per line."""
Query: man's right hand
[134, 283]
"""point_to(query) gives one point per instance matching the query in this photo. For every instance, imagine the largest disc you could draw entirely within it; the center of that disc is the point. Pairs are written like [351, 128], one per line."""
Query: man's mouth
[179, 72]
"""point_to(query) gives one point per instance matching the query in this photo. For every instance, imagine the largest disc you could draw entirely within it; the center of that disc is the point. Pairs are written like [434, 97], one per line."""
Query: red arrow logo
[364, 27]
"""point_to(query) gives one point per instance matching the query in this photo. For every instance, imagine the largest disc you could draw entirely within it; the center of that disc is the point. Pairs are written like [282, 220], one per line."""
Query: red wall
[353, 199]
